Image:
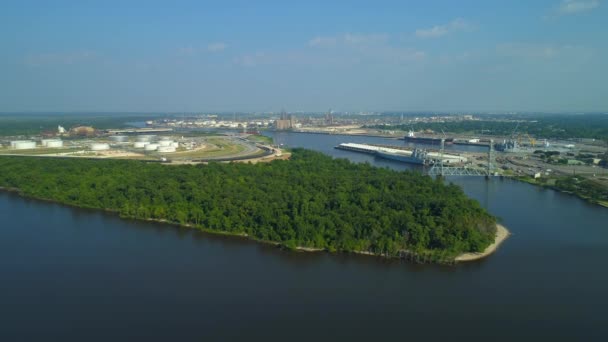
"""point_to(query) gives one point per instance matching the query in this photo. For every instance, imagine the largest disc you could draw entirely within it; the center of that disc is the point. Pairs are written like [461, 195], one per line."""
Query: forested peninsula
[311, 201]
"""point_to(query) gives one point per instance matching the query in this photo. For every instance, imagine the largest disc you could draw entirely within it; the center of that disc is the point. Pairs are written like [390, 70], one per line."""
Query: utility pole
[441, 155]
[490, 155]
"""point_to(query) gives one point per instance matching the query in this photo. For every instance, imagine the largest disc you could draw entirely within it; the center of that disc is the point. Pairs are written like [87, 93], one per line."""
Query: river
[74, 274]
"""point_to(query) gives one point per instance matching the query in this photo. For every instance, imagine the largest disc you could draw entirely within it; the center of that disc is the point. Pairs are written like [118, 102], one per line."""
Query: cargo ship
[410, 137]
[416, 157]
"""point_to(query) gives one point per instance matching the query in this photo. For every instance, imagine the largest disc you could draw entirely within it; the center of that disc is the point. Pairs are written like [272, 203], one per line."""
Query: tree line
[556, 126]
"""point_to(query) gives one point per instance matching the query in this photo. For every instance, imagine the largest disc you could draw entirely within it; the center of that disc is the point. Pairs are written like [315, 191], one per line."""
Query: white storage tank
[145, 137]
[151, 147]
[119, 138]
[140, 144]
[54, 143]
[165, 143]
[175, 144]
[100, 147]
[166, 149]
[23, 144]
[14, 142]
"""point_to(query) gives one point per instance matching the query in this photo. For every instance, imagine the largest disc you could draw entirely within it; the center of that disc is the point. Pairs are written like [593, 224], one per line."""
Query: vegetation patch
[585, 188]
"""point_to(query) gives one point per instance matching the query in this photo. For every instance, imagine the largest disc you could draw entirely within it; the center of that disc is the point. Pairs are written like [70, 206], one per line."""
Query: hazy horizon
[354, 112]
[546, 56]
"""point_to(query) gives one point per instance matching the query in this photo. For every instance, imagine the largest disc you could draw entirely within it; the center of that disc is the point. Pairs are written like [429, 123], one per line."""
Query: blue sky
[201, 56]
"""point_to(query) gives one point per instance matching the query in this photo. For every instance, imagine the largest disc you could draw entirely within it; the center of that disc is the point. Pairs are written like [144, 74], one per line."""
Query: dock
[139, 130]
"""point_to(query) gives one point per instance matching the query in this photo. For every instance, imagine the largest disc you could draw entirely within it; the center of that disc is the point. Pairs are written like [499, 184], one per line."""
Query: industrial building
[100, 147]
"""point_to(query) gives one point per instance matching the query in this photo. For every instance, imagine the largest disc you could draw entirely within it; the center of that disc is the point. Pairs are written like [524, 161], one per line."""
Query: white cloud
[186, 51]
[216, 47]
[393, 55]
[323, 41]
[349, 39]
[437, 31]
[341, 50]
[461, 57]
[364, 48]
[251, 60]
[189, 51]
[545, 52]
[381, 54]
[365, 39]
[58, 58]
[576, 6]
[527, 50]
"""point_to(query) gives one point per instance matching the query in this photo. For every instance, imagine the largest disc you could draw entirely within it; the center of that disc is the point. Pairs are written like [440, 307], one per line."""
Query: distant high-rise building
[329, 118]
[285, 122]
[283, 115]
[292, 121]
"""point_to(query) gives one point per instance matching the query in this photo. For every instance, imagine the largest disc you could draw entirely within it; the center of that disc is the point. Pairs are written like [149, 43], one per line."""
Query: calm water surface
[72, 274]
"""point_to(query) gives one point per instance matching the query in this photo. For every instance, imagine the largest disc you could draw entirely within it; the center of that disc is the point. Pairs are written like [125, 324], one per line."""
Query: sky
[205, 56]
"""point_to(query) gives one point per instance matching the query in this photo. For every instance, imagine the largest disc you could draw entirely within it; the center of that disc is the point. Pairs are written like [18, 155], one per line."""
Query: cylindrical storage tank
[100, 147]
[151, 147]
[175, 144]
[166, 149]
[15, 142]
[24, 145]
[54, 143]
[145, 137]
[164, 143]
[119, 138]
[140, 144]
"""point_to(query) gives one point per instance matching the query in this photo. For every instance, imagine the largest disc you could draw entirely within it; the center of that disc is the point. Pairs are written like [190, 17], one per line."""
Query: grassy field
[39, 151]
[262, 139]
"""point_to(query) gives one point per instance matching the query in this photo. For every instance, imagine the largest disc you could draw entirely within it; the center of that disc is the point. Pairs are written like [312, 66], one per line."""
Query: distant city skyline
[192, 56]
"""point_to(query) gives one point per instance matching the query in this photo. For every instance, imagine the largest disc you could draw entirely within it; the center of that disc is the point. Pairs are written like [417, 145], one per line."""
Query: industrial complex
[153, 144]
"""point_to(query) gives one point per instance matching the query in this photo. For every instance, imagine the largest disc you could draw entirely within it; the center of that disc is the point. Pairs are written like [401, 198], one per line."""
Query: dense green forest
[562, 126]
[311, 200]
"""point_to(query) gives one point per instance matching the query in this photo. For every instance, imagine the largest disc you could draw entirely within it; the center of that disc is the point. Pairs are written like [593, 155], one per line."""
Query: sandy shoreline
[501, 235]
